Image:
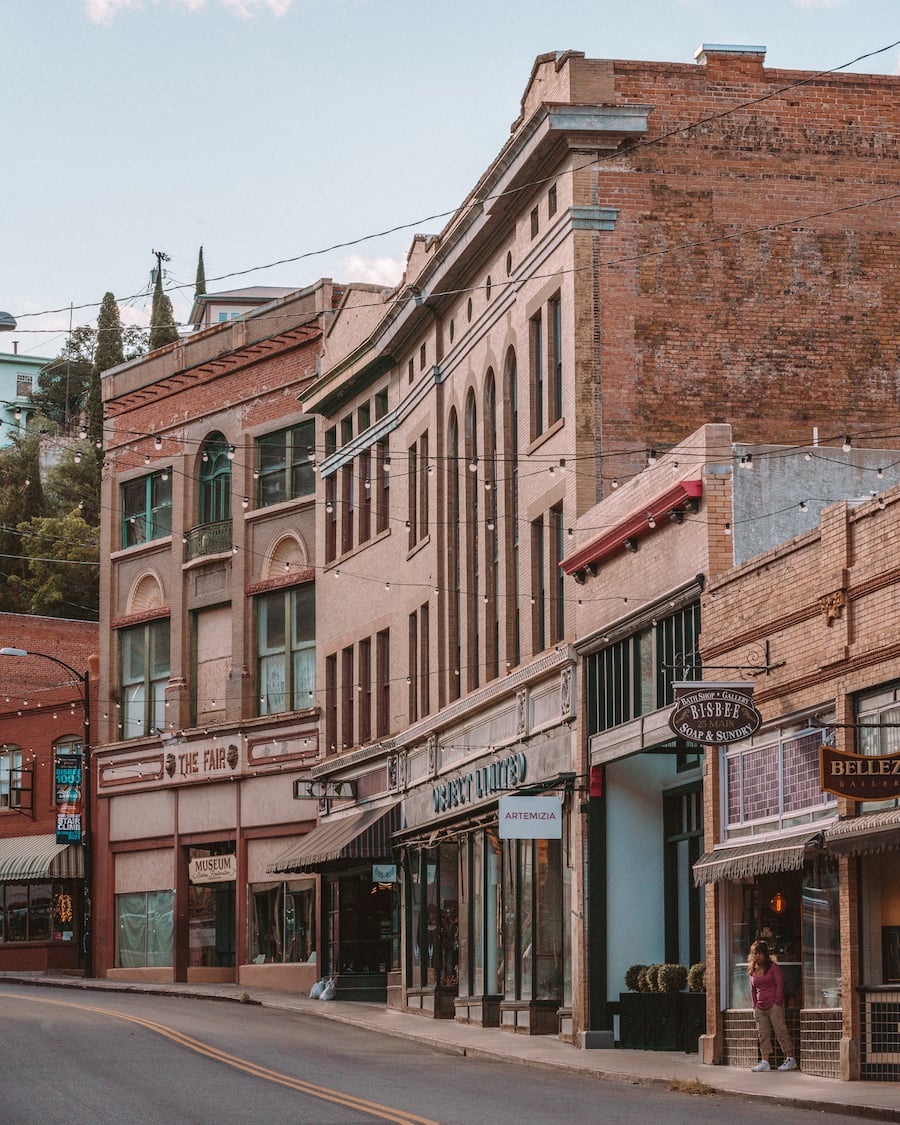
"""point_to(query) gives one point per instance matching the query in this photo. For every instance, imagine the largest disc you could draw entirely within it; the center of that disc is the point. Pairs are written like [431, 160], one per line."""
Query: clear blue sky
[269, 129]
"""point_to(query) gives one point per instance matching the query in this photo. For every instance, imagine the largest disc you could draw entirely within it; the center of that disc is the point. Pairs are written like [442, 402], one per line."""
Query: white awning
[860, 835]
[754, 857]
[39, 857]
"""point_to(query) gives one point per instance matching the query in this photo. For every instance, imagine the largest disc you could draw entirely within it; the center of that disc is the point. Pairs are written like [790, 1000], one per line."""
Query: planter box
[661, 1021]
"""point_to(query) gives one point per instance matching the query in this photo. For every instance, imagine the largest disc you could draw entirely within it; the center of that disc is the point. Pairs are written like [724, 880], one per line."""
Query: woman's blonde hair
[759, 957]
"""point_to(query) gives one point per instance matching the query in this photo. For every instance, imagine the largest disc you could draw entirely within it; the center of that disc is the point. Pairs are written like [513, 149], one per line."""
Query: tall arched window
[453, 552]
[511, 506]
[473, 546]
[215, 480]
[491, 534]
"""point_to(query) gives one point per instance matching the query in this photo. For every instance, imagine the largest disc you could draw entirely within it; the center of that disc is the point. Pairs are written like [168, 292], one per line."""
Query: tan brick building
[207, 692]
[814, 872]
[656, 244]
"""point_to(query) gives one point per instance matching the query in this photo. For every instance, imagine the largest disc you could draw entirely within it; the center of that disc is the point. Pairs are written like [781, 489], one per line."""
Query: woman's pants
[770, 1020]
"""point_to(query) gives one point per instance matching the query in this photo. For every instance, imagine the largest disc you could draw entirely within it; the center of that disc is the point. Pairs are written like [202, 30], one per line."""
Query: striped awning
[39, 857]
[360, 836]
[861, 835]
[754, 857]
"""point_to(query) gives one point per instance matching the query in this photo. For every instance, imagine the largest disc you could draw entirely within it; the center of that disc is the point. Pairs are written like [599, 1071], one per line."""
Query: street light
[7, 322]
[84, 679]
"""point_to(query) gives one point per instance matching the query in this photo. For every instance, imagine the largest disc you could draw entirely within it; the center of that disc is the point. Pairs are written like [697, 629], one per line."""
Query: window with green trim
[147, 508]
[286, 649]
[285, 462]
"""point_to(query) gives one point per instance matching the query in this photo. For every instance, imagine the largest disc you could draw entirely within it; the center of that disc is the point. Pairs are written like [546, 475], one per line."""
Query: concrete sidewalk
[874, 1100]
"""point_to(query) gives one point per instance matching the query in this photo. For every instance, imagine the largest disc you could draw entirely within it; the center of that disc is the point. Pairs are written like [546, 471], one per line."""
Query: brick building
[42, 721]
[207, 705]
[814, 871]
[655, 244]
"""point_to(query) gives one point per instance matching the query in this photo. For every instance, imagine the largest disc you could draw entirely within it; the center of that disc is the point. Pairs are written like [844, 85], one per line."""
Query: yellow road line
[385, 1113]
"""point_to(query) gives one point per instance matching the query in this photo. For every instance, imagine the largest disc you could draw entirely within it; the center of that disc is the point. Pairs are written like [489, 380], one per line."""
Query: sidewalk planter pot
[651, 1021]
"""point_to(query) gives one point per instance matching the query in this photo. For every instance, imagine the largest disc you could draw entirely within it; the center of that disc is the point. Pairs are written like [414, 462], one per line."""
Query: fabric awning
[754, 857]
[39, 857]
[861, 835]
[363, 835]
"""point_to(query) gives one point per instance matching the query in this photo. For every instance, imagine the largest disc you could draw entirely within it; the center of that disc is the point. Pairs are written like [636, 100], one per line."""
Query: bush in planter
[650, 979]
[671, 978]
[696, 978]
[634, 978]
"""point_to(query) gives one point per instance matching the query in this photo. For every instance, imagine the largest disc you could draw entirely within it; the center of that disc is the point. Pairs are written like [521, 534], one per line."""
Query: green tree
[200, 282]
[63, 556]
[72, 484]
[162, 318]
[62, 384]
[21, 498]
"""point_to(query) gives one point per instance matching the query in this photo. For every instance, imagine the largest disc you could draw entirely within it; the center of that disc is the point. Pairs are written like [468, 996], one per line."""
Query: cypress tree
[162, 318]
[200, 283]
[109, 352]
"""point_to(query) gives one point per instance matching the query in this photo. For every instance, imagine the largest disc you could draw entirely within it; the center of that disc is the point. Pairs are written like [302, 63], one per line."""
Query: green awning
[862, 835]
[360, 836]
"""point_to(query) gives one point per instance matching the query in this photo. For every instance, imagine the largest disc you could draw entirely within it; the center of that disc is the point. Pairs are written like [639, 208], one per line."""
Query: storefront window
[144, 929]
[211, 915]
[821, 935]
[768, 907]
[27, 913]
[880, 882]
[433, 939]
[361, 922]
[533, 902]
[282, 923]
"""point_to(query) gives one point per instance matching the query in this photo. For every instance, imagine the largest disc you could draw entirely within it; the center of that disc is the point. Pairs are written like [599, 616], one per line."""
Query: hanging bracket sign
[714, 713]
[318, 790]
[858, 776]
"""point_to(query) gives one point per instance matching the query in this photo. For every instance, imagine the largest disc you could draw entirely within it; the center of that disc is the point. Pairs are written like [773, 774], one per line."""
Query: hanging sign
[68, 782]
[714, 713]
[384, 872]
[213, 869]
[530, 818]
[318, 790]
[858, 776]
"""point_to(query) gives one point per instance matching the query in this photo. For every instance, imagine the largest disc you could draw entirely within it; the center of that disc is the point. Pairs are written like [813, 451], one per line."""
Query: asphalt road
[98, 1058]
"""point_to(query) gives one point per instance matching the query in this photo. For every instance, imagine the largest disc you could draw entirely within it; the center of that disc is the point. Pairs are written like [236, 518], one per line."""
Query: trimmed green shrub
[671, 978]
[696, 979]
[633, 978]
[649, 979]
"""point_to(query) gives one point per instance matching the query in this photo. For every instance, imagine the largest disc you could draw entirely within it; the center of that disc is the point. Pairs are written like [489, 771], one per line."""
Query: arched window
[215, 480]
[454, 651]
[511, 505]
[491, 533]
[473, 546]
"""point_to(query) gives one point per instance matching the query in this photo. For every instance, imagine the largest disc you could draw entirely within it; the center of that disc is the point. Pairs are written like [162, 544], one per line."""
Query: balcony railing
[207, 539]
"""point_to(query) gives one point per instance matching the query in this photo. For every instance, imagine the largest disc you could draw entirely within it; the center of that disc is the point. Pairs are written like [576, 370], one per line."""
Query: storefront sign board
[530, 818]
[858, 776]
[714, 713]
[213, 869]
[384, 872]
[304, 790]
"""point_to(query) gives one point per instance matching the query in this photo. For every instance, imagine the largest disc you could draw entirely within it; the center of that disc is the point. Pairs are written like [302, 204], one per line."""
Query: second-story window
[286, 649]
[284, 462]
[144, 673]
[215, 480]
[147, 508]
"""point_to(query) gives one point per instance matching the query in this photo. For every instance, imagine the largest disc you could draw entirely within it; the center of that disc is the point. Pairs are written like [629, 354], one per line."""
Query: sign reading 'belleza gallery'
[859, 776]
[714, 713]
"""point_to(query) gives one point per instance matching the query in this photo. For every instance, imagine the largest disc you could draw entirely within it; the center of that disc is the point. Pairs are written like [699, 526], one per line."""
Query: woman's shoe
[788, 1064]
[763, 1064]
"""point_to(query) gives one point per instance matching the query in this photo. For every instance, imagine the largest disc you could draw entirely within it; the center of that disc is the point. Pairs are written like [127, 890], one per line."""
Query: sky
[282, 135]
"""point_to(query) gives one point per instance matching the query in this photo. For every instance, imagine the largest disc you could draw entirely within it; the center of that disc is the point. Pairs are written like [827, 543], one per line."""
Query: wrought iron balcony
[207, 539]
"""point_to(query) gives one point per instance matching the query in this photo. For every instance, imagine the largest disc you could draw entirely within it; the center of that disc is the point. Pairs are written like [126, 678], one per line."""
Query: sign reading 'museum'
[714, 713]
[530, 818]
[859, 776]
[213, 869]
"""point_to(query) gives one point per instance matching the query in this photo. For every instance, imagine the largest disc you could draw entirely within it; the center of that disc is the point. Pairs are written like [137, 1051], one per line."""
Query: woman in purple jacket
[767, 994]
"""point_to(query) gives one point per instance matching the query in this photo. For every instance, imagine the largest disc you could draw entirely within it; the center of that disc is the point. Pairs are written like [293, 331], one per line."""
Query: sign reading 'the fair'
[530, 818]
